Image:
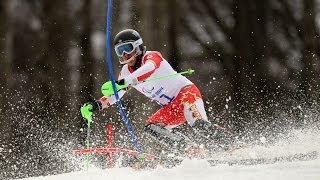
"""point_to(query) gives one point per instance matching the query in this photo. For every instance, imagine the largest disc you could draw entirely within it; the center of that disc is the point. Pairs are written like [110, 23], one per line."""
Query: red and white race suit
[180, 99]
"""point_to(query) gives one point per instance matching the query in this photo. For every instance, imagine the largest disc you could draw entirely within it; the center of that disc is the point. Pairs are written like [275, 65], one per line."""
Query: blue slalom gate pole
[112, 79]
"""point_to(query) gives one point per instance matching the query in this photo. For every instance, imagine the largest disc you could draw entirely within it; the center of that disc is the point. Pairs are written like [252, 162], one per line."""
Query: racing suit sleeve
[133, 78]
[140, 73]
[151, 61]
[107, 101]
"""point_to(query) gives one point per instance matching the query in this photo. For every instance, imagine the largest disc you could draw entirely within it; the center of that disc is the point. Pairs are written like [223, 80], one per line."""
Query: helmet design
[127, 41]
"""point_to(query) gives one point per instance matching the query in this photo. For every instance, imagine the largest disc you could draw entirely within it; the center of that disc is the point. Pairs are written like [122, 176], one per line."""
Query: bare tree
[173, 32]
[250, 40]
[4, 57]
[87, 65]
[310, 38]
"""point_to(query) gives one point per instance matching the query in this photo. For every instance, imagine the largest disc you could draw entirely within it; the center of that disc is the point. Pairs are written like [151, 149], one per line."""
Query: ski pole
[189, 71]
[107, 88]
[88, 145]
[112, 81]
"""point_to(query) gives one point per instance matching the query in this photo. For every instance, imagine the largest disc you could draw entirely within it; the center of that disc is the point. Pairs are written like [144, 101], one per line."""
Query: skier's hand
[107, 89]
[120, 82]
[88, 108]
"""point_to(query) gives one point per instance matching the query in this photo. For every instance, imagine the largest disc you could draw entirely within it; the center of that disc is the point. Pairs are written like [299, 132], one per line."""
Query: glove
[120, 82]
[88, 108]
[107, 89]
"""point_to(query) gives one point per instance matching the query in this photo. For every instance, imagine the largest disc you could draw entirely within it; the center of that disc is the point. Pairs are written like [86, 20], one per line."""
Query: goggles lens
[124, 48]
[127, 47]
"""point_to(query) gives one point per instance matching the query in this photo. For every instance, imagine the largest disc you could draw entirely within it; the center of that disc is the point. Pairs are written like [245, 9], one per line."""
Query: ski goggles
[127, 47]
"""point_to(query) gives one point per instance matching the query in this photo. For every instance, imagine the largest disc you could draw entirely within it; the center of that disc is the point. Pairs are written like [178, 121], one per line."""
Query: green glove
[107, 89]
[86, 112]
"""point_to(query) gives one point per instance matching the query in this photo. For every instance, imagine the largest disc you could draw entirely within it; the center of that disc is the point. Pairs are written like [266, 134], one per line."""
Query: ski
[290, 158]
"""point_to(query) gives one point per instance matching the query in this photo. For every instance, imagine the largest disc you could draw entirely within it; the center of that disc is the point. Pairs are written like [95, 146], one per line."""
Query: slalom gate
[109, 150]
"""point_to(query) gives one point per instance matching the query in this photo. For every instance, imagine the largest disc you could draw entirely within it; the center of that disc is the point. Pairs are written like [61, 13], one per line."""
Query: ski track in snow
[298, 142]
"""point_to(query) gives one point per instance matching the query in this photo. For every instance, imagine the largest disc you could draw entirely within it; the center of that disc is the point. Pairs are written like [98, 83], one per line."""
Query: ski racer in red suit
[180, 99]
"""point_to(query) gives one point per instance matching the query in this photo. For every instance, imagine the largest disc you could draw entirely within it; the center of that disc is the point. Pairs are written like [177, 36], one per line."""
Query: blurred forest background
[256, 62]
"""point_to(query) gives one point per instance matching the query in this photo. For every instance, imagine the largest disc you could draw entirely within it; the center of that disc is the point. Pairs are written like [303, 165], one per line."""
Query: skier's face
[126, 56]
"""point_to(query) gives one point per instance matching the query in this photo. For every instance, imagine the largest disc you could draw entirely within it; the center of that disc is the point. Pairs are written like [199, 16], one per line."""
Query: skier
[180, 99]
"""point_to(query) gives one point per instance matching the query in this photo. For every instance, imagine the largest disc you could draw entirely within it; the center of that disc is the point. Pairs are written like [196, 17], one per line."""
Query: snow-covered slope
[298, 142]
